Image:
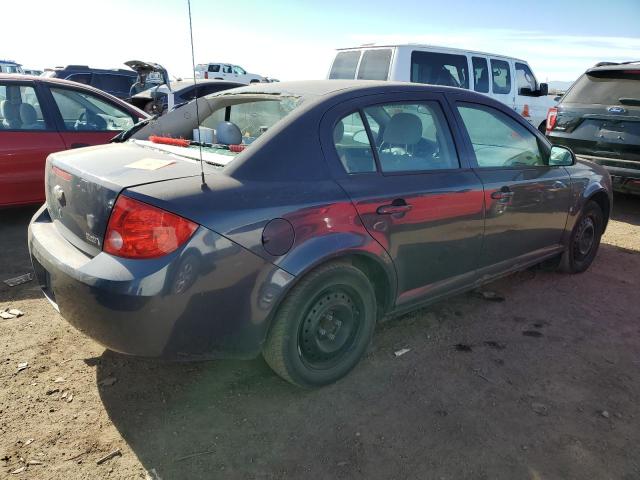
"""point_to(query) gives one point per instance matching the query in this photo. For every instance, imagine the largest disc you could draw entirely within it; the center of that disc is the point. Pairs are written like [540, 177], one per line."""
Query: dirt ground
[544, 385]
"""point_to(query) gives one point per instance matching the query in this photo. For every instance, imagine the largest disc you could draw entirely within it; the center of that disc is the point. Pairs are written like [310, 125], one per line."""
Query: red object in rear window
[139, 230]
[552, 118]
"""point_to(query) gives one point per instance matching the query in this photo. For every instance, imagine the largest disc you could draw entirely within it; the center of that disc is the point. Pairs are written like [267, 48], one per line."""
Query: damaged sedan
[287, 219]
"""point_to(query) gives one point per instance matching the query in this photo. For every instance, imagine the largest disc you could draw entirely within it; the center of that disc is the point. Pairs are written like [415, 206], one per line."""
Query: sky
[296, 40]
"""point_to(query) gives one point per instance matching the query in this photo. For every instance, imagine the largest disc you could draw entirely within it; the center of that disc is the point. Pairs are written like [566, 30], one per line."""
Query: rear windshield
[605, 88]
[344, 66]
[374, 65]
[440, 69]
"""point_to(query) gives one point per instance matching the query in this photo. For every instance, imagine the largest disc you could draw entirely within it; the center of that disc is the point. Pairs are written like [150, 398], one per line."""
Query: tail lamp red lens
[139, 230]
[552, 118]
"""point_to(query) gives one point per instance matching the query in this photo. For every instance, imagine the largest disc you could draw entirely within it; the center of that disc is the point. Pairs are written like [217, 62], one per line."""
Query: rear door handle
[79, 145]
[397, 206]
[504, 195]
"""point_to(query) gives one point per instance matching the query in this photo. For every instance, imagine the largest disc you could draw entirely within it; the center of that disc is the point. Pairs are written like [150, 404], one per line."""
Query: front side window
[500, 141]
[501, 76]
[480, 75]
[239, 70]
[344, 66]
[352, 144]
[82, 111]
[439, 69]
[412, 137]
[374, 65]
[524, 77]
[19, 108]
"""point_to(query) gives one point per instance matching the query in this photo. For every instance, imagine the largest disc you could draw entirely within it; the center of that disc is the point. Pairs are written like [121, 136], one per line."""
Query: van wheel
[323, 327]
[584, 240]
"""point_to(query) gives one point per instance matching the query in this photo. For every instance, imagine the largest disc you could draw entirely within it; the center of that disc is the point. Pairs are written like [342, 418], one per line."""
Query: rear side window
[352, 145]
[524, 77]
[498, 140]
[214, 68]
[374, 65]
[412, 137]
[606, 88]
[19, 108]
[501, 76]
[480, 75]
[439, 69]
[344, 66]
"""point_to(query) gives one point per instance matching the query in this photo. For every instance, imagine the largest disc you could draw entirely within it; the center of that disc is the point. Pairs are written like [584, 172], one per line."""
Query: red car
[39, 116]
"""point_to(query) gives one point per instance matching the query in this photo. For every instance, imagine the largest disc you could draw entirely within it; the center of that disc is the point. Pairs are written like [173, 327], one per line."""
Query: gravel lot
[543, 385]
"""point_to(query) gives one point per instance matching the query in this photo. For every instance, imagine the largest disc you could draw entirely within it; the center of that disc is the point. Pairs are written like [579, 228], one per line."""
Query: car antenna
[195, 87]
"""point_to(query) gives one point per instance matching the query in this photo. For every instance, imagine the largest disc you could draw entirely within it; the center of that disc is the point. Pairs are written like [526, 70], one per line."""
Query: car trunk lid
[82, 185]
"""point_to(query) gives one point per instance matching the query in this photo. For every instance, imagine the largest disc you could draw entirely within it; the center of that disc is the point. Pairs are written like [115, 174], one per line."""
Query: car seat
[29, 117]
[399, 140]
[10, 108]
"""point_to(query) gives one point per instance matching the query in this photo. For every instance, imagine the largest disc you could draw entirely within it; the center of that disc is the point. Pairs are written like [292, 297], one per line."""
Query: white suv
[509, 80]
[227, 71]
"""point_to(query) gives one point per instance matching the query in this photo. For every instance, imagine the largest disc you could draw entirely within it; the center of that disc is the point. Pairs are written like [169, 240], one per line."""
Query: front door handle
[397, 206]
[79, 145]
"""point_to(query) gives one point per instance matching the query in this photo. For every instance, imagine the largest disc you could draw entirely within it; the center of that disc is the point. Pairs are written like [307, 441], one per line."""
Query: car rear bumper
[625, 174]
[211, 298]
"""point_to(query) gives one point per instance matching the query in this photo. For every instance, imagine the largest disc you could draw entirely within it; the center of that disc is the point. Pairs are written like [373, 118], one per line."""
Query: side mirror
[543, 90]
[527, 92]
[561, 157]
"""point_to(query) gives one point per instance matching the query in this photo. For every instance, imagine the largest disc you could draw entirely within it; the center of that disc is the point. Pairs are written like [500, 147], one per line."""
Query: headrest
[338, 132]
[403, 129]
[10, 112]
[228, 133]
[13, 94]
[28, 114]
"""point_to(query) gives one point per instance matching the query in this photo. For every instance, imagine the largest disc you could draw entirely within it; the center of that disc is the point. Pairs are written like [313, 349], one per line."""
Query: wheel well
[379, 279]
[602, 199]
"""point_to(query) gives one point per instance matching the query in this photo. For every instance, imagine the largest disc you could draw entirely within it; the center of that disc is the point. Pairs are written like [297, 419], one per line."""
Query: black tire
[584, 240]
[323, 327]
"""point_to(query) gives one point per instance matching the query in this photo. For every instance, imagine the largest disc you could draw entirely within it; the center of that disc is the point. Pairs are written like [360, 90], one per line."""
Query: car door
[85, 118]
[527, 201]
[502, 81]
[415, 194]
[27, 136]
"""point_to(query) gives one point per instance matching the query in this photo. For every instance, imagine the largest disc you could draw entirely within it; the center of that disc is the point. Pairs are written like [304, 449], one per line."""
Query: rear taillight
[140, 230]
[552, 118]
[206, 75]
[58, 172]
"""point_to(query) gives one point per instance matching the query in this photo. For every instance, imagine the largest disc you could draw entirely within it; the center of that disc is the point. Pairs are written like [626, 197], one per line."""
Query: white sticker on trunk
[150, 164]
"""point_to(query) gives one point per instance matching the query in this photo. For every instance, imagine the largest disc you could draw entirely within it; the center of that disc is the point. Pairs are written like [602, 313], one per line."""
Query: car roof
[328, 88]
[69, 83]
[429, 47]
[85, 68]
[615, 67]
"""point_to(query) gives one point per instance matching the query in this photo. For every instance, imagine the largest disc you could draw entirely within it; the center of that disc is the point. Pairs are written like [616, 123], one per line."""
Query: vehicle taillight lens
[140, 230]
[552, 118]
[206, 75]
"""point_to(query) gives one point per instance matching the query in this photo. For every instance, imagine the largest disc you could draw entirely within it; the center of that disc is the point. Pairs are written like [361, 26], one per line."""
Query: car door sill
[479, 277]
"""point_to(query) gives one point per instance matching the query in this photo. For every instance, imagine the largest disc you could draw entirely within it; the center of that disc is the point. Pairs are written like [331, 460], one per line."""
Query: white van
[509, 80]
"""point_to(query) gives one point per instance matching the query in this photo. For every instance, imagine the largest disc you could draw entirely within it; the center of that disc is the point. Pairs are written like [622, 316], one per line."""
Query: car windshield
[605, 88]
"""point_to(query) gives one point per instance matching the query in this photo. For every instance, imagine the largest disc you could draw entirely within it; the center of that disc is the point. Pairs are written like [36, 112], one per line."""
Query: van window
[501, 75]
[439, 69]
[524, 77]
[480, 75]
[344, 66]
[374, 65]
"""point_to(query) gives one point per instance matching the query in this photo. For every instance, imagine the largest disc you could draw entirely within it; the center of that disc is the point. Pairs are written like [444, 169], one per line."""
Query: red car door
[86, 118]
[26, 139]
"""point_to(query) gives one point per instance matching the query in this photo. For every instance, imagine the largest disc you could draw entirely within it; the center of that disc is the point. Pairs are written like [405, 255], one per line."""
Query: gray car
[318, 209]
